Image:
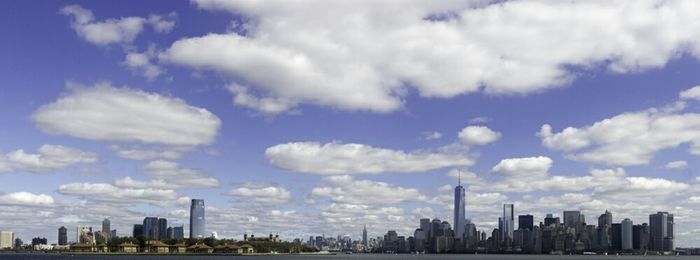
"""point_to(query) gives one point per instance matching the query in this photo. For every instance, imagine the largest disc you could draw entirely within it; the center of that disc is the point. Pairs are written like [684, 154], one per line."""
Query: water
[332, 257]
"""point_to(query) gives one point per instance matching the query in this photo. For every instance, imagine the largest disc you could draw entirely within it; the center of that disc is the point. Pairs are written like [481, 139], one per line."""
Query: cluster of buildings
[572, 235]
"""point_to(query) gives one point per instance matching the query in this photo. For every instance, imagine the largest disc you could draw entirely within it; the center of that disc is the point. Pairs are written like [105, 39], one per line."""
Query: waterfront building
[62, 236]
[106, 230]
[150, 227]
[508, 223]
[197, 218]
[162, 228]
[7, 239]
[138, 230]
[626, 234]
[459, 210]
[661, 227]
[526, 222]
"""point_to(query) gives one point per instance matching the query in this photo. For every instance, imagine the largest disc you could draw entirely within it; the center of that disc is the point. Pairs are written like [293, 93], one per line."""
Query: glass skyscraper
[62, 236]
[508, 222]
[197, 218]
[459, 218]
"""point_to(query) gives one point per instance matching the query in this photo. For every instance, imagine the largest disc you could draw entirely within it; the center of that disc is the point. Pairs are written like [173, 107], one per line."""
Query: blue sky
[292, 120]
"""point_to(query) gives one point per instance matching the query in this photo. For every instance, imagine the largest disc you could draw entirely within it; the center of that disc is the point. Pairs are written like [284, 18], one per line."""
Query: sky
[308, 117]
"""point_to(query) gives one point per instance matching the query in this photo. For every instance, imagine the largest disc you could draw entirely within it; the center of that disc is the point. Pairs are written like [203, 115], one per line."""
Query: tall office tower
[640, 237]
[572, 218]
[662, 232]
[113, 233]
[626, 234]
[62, 236]
[171, 233]
[197, 218]
[138, 230]
[550, 220]
[605, 220]
[365, 243]
[425, 226]
[459, 218]
[616, 236]
[150, 227]
[7, 239]
[508, 222]
[419, 240]
[179, 232]
[106, 230]
[162, 228]
[526, 222]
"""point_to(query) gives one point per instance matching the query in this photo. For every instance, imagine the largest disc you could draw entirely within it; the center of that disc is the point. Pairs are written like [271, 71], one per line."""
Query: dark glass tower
[459, 218]
[62, 236]
[197, 218]
[162, 228]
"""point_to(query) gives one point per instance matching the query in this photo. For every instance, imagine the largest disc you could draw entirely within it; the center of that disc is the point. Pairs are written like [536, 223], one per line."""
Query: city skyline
[298, 123]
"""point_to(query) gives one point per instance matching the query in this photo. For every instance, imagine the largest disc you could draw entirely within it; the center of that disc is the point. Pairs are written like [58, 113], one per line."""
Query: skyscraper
[150, 227]
[605, 220]
[138, 230]
[197, 218]
[459, 218]
[365, 243]
[626, 234]
[106, 230]
[62, 236]
[525, 222]
[662, 232]
[162, 228]
[508, 222]
[179, 232]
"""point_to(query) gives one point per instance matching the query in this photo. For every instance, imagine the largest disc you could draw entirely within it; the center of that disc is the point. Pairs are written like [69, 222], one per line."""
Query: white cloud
[326, 59]
[48, 158]
[692, 93]
[172, 173]
[26, 199]
[105, 192]
[136, 153]
[123, 30]
[107, 113]
[677, 165]
[128, 182]
[478, 135]
[338, 158]
[142, 64]
[162, 24]
[345, 189]
[432, 135]
[530, 167]
[261, 194]
[628, 139]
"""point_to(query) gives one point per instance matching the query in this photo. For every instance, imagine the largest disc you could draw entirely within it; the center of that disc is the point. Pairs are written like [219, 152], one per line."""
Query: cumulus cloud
[337, 158]
[172, 173]
[26, 199]
[692, 93]
[142, 63]
[48, 158]
[676, 165]
[432, 135]
[631, 138]
[107, 113]
[105, 192]
[325, 59]
[345, 189]
[137, 153]
[128, 182]
[478, 135]
[261, 194]
[110, 31]
[535, 167]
